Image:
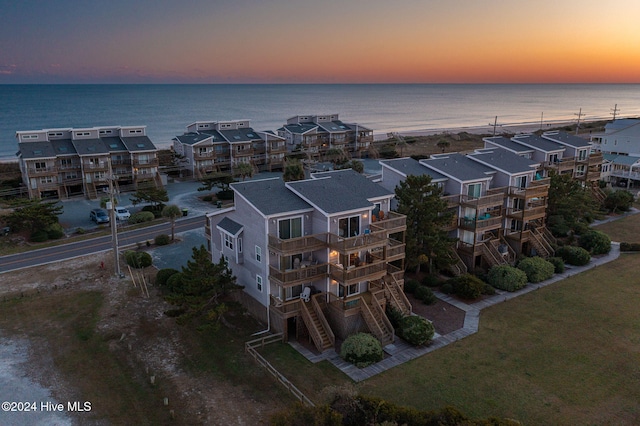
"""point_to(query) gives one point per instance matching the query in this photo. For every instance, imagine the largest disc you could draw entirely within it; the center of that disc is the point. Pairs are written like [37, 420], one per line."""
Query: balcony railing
[355, 274]
[395, 250]
[394, 222]
[298, 245]
[297, 276]
[285, 307]
[529, 213]
[42, 170]
[358, 243]
[494, 197]
[145, 163]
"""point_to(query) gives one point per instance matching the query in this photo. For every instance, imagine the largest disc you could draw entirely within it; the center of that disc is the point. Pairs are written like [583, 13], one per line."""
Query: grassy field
[566, 354]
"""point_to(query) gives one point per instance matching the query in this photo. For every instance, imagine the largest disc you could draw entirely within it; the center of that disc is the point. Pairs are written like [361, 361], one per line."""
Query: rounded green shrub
[174, 282]
[430, 281]
[55, 231]
[163, 276]
[141, 217]
[226, 195]
[595, 242]
[162, 240]
[410, 286]
[395, 315]
[155, 209]
[137, 259]
[467, 286]
[39, 236]
[447, 288]
[558, 264]
[489, 290]
[416, 330]
[536, 268]
[361, 349]
[506, 277]
[573, 255]
[425, 295]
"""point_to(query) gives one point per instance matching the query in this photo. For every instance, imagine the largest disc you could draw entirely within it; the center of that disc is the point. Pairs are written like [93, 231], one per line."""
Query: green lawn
[623, 230]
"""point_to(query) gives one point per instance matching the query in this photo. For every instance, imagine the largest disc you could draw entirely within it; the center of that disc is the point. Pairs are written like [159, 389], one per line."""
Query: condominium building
[61, 163]
[497, 198]
[317, 134]
[620, 144]
[213, 146]
[318, 258]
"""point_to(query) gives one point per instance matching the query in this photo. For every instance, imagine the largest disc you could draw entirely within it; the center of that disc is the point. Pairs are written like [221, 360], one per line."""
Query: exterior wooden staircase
[92, 192]
[457, 267]
[598, 193]
[395, 295]
[319, 329]
[541, 242]
[491, 254]
[377, 320]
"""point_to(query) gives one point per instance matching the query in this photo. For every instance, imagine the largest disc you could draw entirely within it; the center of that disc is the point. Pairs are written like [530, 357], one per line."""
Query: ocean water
[166, 110]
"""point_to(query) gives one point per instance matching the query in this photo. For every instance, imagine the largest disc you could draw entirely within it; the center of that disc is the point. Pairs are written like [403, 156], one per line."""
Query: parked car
[99, 216]
[122, 213]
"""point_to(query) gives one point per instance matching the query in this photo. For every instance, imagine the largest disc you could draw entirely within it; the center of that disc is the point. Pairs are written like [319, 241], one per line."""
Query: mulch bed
[445, 317]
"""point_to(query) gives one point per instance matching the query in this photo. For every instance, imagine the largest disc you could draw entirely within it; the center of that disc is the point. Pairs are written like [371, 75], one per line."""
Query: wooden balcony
[203, 155]
[594, 159]
[150, 162]
[494, 197]
[287, 308]
[483, 223]
[375, 239]
[392, 223]
[298, 245]
[561, 165]
[395, 250]
[536, 189]
[99, 166]
[528, 214]
[452, 200]
[277, 148]
[356, 274]
[304, 274]
[42, 171]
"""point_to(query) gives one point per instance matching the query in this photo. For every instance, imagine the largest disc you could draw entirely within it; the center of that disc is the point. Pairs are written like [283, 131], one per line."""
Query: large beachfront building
[214, 146]
[317, 134]
[498, 200]
[61, 163]
[318, 258]
[620, 144]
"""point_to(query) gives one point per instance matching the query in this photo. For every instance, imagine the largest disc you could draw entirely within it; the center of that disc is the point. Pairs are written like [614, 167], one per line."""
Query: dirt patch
[444, 316]
[145, 344]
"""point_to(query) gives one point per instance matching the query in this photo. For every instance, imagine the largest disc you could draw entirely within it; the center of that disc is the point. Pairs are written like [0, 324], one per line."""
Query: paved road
[96, 245]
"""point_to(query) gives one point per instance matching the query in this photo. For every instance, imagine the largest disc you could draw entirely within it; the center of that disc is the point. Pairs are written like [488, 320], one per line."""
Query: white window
[349, 226]
[290, 228]
[258, 254]
[293, 292]
[46, 179]
[239, 245]
[259, 283]
[474, 190]
[228, 241]
[350, 290]
[521, 182]
[582, 155]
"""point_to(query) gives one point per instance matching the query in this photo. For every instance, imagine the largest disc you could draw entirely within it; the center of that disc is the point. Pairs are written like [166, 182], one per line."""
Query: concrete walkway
[401, 352]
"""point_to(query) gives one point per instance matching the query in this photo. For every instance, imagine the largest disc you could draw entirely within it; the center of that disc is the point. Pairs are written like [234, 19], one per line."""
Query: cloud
[7, 69]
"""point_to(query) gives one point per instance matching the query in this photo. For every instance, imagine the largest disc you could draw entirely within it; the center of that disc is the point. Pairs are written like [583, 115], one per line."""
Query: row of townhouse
[61, 163]
[620, 145]
[319, 258]
[499, 194]
[211, 146]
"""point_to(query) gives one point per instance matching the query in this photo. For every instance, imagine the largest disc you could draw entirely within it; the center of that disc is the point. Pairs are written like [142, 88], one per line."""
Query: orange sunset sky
[349, 41]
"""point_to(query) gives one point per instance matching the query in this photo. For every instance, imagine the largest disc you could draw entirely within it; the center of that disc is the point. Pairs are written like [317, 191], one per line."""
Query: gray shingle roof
[338, 191]
[114, 144]
[300, 128]
[508, 144]
[230, 226]
[138, 143]
[625, 160]
[63, 147]
[504, 160]
[193, 138]
[246, 134]
[409, 166]
[567, 139]
[33, 150]
[90, 146]
[270, 196]
[538, 143]
[458, 167]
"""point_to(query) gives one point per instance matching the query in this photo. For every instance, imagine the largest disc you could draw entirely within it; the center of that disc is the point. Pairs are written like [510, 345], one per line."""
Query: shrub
[558, 225]
[174, 282]
[425, 295]
[506, 277]
[55, 231]
[488, 290]
[430, 281]
[467, 286]
[226, 194]
[163, 275]
[558, 264]
[207, 198]
[137, 259]
[536, 268]
[618, 201]
[416, 330]
[361, 349]
[141, 217]
[162, 240]
[629, 246]
[574, 255]
[410, 286]
[595, 242]
[39, 236]
[395, 315]
[446, 288]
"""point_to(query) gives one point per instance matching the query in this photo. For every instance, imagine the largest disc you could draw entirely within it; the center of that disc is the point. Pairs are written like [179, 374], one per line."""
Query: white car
[122, 213]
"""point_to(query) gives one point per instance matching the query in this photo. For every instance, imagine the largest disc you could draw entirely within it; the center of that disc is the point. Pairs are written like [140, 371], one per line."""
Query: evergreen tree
[570, 203]
[202, 289]
[293, 170]
[427, 213]
[34, 215]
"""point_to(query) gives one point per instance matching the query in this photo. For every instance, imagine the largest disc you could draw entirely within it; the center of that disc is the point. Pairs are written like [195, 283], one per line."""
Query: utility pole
[615, 112]
[580, 114]
[112, 218]
[541, 118]
[495, 124]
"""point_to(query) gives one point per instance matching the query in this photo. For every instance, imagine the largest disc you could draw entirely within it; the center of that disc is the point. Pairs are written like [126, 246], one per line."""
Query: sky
[323, 41]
